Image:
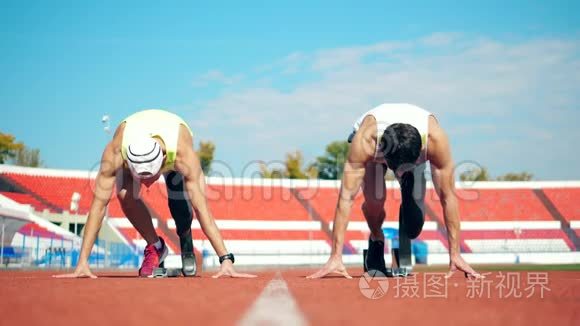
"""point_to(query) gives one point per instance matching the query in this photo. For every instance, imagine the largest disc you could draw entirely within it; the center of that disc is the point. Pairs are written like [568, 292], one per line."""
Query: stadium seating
[566, 201]
[494, 205]
[248, 208]
[237, 202]
[55, 192]
[499, 241]
[260, 219]
[323, 201]
[34, 230]
[26, 199]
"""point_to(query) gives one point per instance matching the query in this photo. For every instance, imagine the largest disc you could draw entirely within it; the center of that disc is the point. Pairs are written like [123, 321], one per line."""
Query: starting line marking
[274, 306]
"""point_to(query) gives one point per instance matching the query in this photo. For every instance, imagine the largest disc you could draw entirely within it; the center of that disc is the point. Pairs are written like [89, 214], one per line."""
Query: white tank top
[391, 113]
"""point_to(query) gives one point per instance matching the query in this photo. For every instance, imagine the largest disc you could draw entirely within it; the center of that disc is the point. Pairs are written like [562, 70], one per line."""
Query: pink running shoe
[152, 258]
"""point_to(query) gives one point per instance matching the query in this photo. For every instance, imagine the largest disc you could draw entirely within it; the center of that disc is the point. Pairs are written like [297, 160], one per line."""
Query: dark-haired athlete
[401, 137]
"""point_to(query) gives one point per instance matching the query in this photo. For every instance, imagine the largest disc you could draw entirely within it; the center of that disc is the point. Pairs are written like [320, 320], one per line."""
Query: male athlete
[146, 145]
[401, 137]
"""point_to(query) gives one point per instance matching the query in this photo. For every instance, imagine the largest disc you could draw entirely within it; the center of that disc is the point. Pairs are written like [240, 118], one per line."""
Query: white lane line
[274, 306]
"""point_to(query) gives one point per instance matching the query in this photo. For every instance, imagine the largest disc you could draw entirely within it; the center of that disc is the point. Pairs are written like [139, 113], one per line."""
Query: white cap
[144, 158]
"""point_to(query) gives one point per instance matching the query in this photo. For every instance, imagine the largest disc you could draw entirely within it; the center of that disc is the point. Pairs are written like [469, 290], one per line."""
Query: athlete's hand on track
[456, 263]
[82, 270]
[333, 265]
[227, 269]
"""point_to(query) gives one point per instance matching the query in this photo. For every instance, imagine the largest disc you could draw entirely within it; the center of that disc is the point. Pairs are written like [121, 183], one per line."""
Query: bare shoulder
[439, 151]
[436, 132]
[112, 159]
[364, 143]
[185, 142]
[368, 127]
[186, 157]
[117, 140]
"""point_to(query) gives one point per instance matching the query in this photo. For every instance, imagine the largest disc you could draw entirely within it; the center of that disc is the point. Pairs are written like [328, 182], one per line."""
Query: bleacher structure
[289, 222]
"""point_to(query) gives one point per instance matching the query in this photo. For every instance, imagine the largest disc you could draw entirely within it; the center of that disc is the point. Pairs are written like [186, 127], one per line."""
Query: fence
[55, 253]
[41, 252]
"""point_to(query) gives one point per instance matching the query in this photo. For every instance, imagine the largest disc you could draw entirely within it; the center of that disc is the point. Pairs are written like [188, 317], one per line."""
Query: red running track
[34, 298]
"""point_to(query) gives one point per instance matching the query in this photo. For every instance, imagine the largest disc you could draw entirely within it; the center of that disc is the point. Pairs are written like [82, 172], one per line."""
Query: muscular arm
[442, 168]
[351, 182]
[444, 182]
[188, 165]
[111, 161]
[361, 151]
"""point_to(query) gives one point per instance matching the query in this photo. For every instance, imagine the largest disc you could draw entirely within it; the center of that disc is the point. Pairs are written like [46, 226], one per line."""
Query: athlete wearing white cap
[145, 158]
[145, 146]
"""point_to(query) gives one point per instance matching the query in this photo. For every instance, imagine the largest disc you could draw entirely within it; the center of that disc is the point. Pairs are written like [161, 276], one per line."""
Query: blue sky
[260, 79]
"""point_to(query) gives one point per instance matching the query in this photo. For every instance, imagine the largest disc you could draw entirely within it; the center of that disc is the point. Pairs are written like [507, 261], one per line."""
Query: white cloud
[290, 64]
[476, 86]
[440, 39]
[216, 76]
[349, 56]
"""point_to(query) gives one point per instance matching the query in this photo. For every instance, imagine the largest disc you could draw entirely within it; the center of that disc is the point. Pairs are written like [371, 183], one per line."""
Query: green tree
[8, 147]
[271, 174]
[331, 165]
[481, 174]
[206, 153]
[522, 176]
[27, 157]
[293, 168]
[478, 174]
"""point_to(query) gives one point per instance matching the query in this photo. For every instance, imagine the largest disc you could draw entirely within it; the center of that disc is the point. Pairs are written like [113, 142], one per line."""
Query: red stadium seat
[494, 205]
[566, 201]
[239, 204]
[26, 199]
